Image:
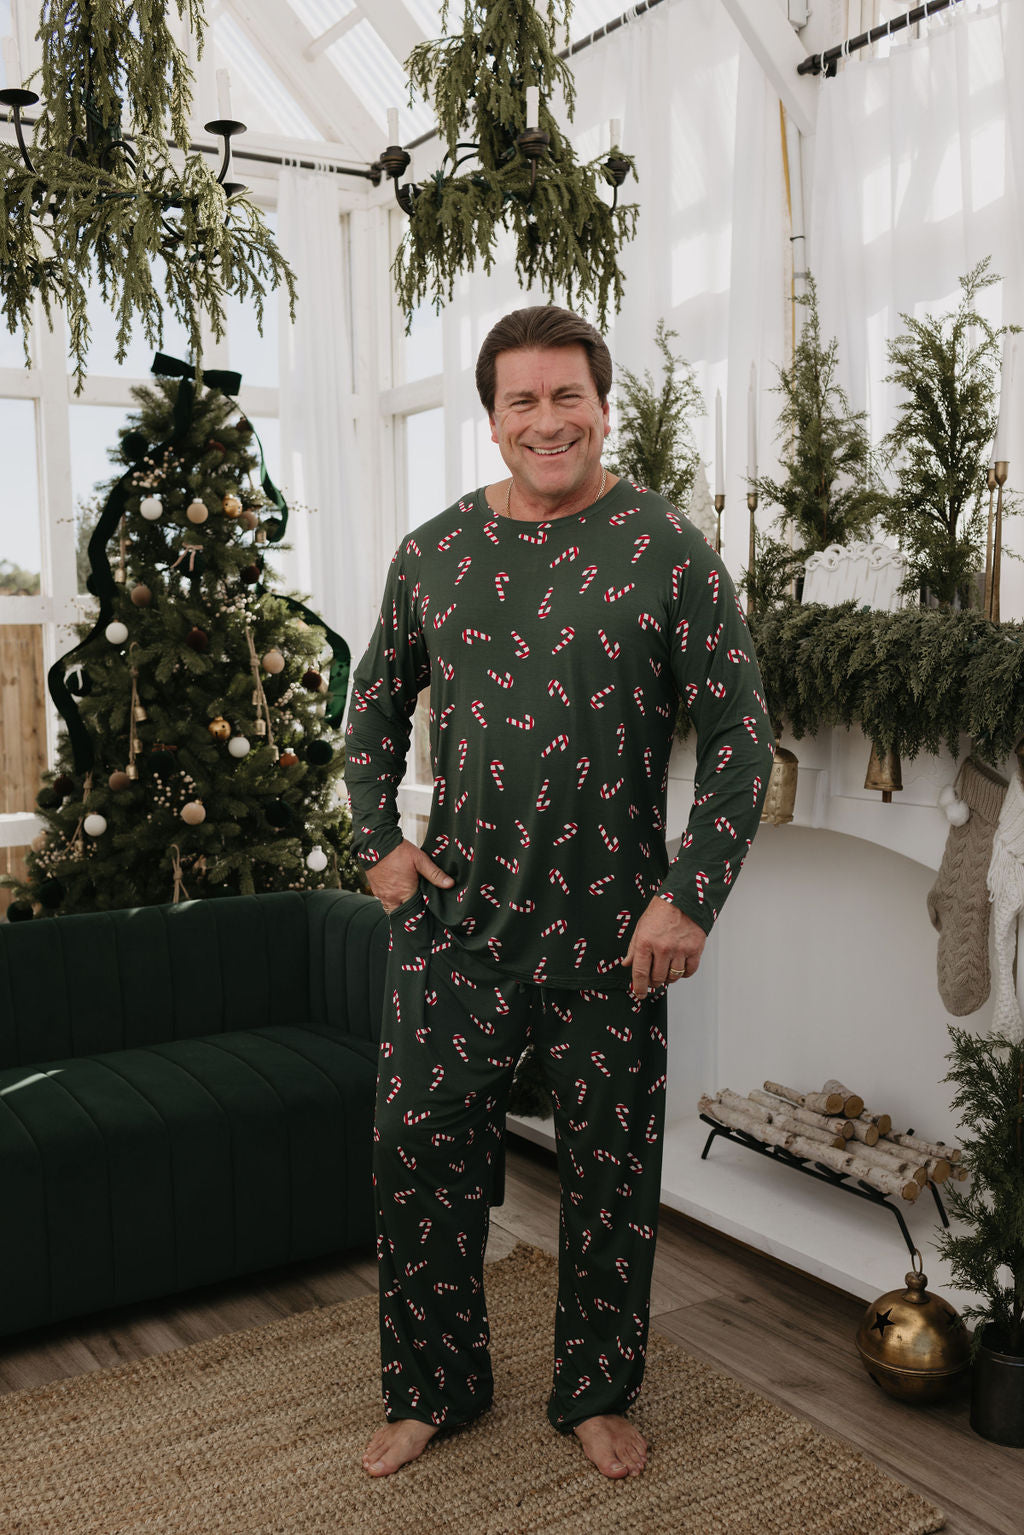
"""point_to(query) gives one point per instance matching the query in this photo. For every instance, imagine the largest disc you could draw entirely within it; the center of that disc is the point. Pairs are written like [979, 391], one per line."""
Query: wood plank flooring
[782, 1333]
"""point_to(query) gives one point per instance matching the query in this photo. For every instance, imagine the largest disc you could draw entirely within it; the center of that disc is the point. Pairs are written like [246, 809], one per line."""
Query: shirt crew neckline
[481, 503]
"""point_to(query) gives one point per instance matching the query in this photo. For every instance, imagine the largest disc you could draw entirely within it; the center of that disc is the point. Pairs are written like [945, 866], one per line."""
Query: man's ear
[607, 418]
[494, 428]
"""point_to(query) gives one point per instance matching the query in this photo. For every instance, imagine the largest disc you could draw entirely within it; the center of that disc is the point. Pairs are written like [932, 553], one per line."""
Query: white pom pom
[958, 813]
[946, 796]
[151, 508]
[94, 825]
[116, 632]
[316, 860]
[238, 746]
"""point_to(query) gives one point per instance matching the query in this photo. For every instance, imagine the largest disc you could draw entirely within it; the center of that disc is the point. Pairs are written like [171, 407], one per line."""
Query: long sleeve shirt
[557, 654]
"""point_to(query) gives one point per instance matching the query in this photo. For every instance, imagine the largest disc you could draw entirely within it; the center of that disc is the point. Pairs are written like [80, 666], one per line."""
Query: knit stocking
[958, 901]
[1006, 885]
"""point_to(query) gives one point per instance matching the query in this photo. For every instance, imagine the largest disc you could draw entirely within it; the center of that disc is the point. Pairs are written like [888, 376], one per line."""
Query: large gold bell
[884, 773]
[780, 799]
[914, 1345]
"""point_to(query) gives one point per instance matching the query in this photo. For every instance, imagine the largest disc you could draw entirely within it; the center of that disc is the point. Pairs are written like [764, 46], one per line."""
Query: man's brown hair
[542, 325]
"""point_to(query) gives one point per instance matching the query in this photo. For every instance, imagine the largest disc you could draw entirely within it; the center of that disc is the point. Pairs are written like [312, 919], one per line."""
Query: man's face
[549, 424]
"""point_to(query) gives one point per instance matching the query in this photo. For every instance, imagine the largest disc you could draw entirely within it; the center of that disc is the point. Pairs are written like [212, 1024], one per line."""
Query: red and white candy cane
[640, 544]
[464, 565]
[581, 1093]
[558, 1050]
[501, 580]
[579, 948]
[609, 790]
[597, 699]
[524, 835]
[674, 520]
[638, 698]
[582, 769]
[445, 668]
[409, 1161]
[569, 554]
[618, 518]
[543, 798]
[559, 744]
[612, 649]
[540, 537]
[463, 749]
[703, 799]
[712, 640]
[439, 618]
[526, 723]
[614, 593]
[724, 756]
[569, 830]
[642, 1231]
[702, 881]
[395, 1087]
[600, 1155]
[540, 975]
[476, 709]
[610, 842]
[588, 576]
[722, 823]
[757, 789]
[410, 1117]
[716, 688]
[522, 648]
[463, 797]
[736, 656]
[524, 907]
[491, 531]
[445, 715]
[459, 1042]
[424, 1228]
[624, 918]
[584, 1385]
[556, 877]
[620, 736]
[678, 572]
[567, 635]
[419, 963]
[511, 864]
[494, 946]
[503, 679]
[558, 926]
[436, 1077]
[445, 543]
[472, 635]
[750, 726]
[414, 1268]
[483, 1024]
[760, 700]
[461, 1242]
[556, 690]
[497, 768]
[439, 788]
[412, 547]
[487, 894]
[545, 603]
[598, 1057]
[648, 621]
[713, 582]
[441, 1195]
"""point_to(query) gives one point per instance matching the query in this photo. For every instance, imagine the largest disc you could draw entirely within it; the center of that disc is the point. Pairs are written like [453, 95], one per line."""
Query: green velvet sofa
[186, 1095]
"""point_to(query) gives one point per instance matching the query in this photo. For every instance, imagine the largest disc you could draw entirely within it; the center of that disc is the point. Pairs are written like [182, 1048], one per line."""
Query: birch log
[804, 1116]
[883, 1121]
[839, 1161]
[864, 1130]
[778, 1117]
[821, 1103]
[853, 1103]
[930, 1148]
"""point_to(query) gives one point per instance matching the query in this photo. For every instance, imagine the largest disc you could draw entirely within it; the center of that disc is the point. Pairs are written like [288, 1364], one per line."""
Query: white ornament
[197, 511]
[946, 796]
[316, 860]
[151, 508]
[116, 632]
[273, 662]
[94, 825]
[238, 746]
[958, 812]
[194, 813]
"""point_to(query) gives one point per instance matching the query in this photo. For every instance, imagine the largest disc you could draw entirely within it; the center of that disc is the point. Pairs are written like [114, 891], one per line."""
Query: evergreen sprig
[947, 367]
[988, 1258]
[152, 228]
[831, 493]
[911, 680]
[654, 443]
[565, 234]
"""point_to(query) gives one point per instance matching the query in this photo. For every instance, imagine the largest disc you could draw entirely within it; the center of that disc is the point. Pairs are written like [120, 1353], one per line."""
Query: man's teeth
[550, 452]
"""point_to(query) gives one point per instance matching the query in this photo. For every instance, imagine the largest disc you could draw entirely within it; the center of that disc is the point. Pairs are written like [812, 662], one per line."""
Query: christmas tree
[201, 754]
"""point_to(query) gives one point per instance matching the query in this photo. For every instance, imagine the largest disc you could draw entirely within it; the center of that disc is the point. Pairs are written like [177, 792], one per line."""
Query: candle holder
[752, 503]
[986, 597]
[719, 509]
[1000, 472]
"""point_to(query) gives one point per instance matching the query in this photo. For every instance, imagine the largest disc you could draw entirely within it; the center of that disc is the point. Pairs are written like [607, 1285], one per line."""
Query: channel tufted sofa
[186, 1095]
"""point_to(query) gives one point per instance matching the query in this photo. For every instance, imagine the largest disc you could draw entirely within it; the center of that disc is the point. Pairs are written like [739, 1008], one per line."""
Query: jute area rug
[260, 1433]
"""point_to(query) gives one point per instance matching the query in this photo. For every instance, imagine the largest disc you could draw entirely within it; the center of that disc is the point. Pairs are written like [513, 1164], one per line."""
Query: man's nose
[546, 418]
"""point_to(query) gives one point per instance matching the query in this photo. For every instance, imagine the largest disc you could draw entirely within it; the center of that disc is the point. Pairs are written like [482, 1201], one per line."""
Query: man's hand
[396, 878]
[665, 946]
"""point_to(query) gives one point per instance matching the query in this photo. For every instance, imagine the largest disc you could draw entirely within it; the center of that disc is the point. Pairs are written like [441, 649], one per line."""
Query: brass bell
[139, 714]
[914, 1345]
[780, 799]
[884, 773]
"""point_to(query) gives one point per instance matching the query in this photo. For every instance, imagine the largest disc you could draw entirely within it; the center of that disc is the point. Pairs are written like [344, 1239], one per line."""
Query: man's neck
[510, 500]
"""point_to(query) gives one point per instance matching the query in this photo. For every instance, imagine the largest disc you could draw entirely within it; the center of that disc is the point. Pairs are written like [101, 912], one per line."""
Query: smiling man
[558, 617]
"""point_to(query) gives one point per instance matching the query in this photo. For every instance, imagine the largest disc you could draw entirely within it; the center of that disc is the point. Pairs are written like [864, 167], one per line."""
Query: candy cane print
[579, 948]
[638, 697]
[555, 690]
[702, 881]
[642, 1231]
[569, 831]
[490, 531]
[713, 580]
[610, 842]
[588, 576]
[395, 1086]
[611, 650]
[472, 635]
[464, 565]
[503, 679]
[598, 1057]
[558, 926]
[445, 715]
[716, 688]
[438, 1138]
[581, 1093]
[559, 744]
[441, 1195]
[618, 518]
[724, 756]
[624, 919]
[483, 1024]
[414, 1268]
[674, 520]
[409, 1161]
[424, 1228]
[522, 906]
[476, 709]
[757, 790]
[511, 864]
[609, 790]
[584, 1385]
[439, 789]
[713, 639]
[445, 668]
[640, 544]
[524, 835]
[522, 648]
[540, 537]
[500, 582]
[436, 1077]
[497, 768]
[600, 1155]
[736, 656]
[543, 798]
[597, 699]
[678, 571]
[569, 554]
[526, 723]
[445, 544]
[460, 802]
[419, 963]
[722, 823]
[606, 1218]
[582, 769]
[615, 592]
[410, 1117]
[412, 547]
[539, 977]
[567, 635]
[620, 736]
[439, 618]
[558, 1050]
[749, 725]
[459, 1041]
[494, 946]
[545, 603]
[760, 700]
[622, 1035]
[556, 877]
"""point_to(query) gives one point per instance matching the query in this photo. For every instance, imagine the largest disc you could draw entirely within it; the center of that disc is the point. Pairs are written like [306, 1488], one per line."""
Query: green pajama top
[556, 655]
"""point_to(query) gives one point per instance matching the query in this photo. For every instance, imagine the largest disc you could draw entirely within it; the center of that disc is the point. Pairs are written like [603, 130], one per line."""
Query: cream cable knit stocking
[1006, 888]
[957, 902]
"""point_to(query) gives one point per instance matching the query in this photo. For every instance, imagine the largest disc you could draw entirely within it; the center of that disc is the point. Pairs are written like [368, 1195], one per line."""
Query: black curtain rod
[816, 62]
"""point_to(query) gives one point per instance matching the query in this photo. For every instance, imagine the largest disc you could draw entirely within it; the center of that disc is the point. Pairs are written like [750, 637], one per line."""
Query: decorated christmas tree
[201, 754]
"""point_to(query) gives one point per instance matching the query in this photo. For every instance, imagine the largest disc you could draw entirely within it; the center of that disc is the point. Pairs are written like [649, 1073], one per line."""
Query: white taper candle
[1001, 452]
[392, 125]
[614, 132]
[719, 447]
[224, 95]
[532, 106]
[752, 424]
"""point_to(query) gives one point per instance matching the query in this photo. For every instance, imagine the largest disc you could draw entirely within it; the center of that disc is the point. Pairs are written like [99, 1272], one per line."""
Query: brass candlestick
[1001, 470]
[986, 596]
[719, 508]
[752, 503]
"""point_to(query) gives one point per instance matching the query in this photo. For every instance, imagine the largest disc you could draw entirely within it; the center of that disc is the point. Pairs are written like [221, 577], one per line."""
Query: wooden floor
[784, 1334]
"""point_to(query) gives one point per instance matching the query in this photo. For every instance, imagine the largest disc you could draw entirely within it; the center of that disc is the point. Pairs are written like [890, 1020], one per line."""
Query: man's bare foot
[395, 1444]
[613, 1444]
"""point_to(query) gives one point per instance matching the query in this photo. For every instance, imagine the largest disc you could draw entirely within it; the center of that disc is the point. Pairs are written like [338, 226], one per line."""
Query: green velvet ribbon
[337, 678]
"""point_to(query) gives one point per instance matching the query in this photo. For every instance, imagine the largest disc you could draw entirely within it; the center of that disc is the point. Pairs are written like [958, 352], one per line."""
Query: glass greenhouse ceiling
[330, 69]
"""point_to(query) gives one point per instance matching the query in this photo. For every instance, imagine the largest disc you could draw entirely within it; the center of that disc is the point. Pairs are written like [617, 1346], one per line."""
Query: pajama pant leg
[449, 1043]
[605, 1057]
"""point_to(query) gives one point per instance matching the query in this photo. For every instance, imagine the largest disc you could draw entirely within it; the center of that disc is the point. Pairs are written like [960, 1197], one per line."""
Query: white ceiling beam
[397, 27]
[764, 26]
[323, 42]
[316, 85]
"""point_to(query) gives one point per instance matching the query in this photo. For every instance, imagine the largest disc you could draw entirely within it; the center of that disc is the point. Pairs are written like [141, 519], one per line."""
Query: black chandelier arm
[225, 128]
[17, 98]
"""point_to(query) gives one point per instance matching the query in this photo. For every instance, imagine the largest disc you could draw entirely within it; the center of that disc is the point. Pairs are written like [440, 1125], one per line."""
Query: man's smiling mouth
[551, 452]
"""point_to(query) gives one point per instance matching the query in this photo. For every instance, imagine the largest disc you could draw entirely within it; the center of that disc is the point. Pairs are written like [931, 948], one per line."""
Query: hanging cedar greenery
[125, 215]
[565, 232]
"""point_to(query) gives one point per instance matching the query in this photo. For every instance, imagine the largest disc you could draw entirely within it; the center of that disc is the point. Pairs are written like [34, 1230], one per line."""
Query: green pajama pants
[450, 1039]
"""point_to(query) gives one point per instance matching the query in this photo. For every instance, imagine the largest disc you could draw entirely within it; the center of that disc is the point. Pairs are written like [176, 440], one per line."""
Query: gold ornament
[194, 813]
[884, 773]
[914, 1345]
[232, 505]
[219, 728]
[780, 799]
[197, 511]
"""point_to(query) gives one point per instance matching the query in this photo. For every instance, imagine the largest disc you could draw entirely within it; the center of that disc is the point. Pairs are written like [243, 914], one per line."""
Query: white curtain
[333, 546]
[708, 257]
[918, 174]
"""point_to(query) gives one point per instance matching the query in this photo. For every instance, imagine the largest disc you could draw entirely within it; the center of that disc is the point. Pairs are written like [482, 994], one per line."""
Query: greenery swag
[565, 232]
[125, 214]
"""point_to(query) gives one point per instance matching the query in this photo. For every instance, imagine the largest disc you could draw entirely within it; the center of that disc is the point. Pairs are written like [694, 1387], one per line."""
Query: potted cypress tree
[988, 1256]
